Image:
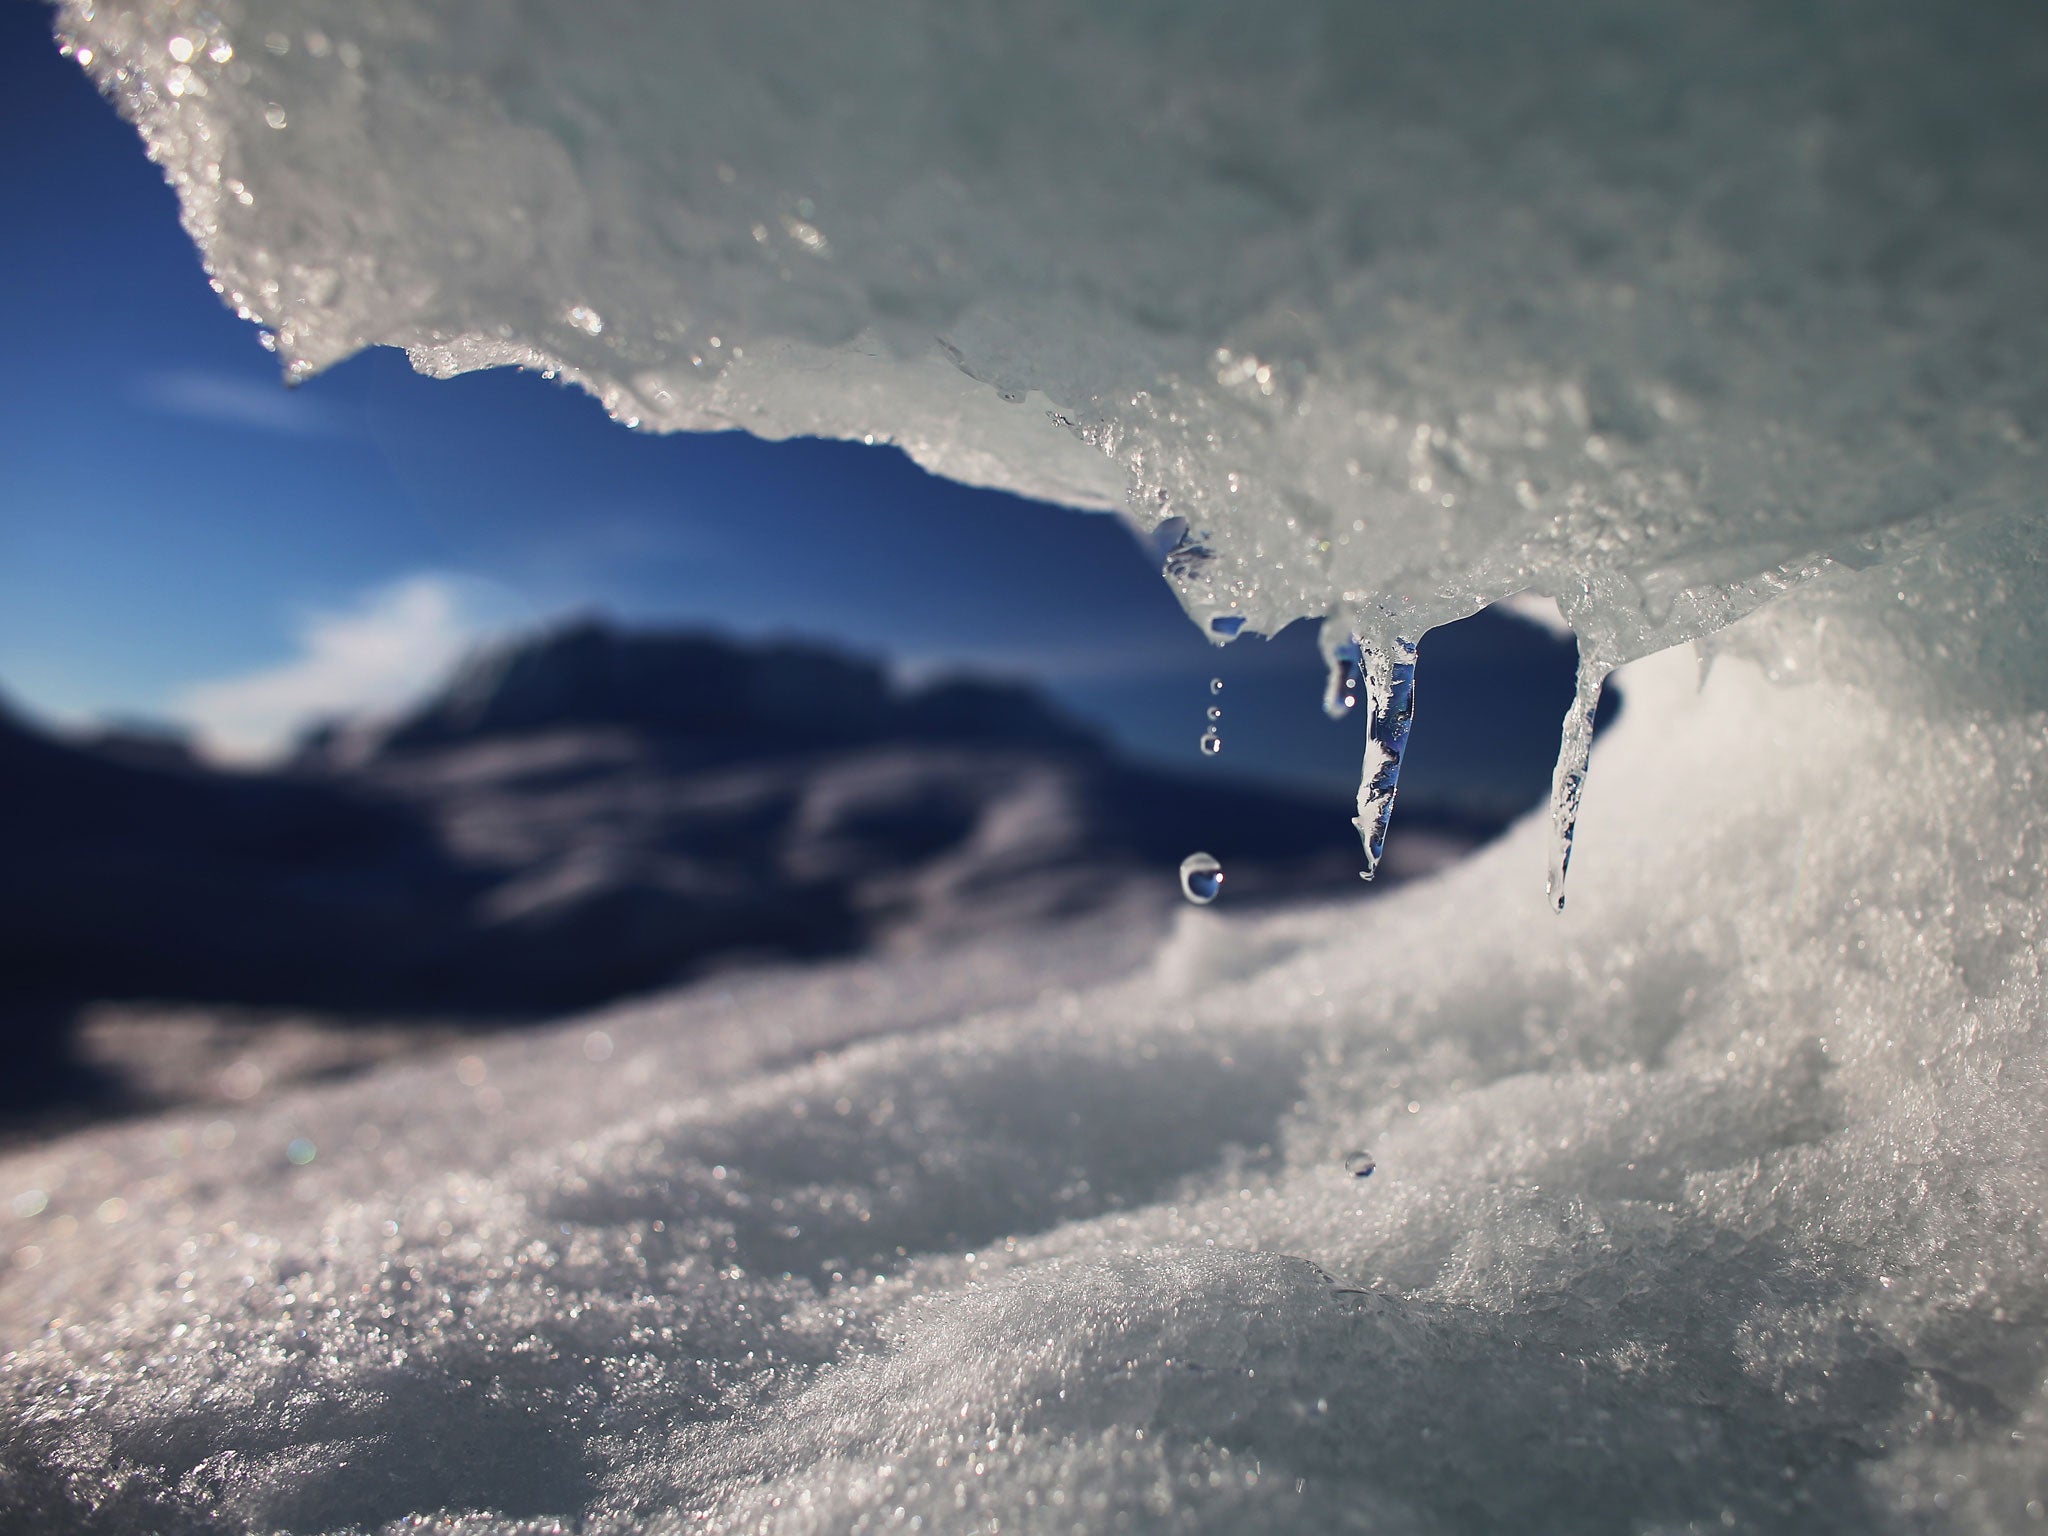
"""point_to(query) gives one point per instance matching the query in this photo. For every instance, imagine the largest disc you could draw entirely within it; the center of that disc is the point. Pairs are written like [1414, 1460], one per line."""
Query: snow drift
[1719, 1199]
[1716, 1203]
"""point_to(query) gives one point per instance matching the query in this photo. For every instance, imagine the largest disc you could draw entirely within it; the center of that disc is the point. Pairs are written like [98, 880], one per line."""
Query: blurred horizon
[404, 645]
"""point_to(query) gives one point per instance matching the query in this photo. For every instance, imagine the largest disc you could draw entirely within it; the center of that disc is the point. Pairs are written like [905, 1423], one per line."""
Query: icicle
[1389, 672]
[1568, 784]
[1704, 651]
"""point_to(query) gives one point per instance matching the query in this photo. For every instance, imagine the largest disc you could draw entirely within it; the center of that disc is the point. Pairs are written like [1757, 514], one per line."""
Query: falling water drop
[1359, 1164]
[1346, 662]
[1212, 737]
[1568, 784]
[1201, 878]
[1341, 656]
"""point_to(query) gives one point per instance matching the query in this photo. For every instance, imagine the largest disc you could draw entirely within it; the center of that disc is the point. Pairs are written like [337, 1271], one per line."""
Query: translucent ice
[1568, 788]
[1388, 667]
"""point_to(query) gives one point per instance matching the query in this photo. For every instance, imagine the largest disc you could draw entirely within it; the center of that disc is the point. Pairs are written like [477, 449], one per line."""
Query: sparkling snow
[1716, 1202]
[1405, 308]
[1718, 1198]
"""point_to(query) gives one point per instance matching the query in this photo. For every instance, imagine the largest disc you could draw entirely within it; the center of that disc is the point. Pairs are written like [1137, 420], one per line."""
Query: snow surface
[1717, 1202]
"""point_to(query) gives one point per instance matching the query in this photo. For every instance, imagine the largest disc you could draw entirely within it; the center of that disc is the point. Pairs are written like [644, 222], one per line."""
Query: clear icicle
[1568, 784]
[1389, 674]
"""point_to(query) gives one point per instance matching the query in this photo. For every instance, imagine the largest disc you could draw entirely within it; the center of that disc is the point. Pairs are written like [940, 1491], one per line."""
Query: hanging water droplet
[1212, 743]
[1341, 656]
[1215, 685]
[1568, 784]
[1201, 878]
[1359, 1164]
[1389, 673]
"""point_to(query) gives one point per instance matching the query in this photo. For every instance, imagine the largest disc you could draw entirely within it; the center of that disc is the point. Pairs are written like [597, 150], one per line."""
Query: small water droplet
[300, 1151]
[1345, 661]
[1201, 878]
[1215, 685]
[1215, 713]
[1211, 742]
[1359, 1164]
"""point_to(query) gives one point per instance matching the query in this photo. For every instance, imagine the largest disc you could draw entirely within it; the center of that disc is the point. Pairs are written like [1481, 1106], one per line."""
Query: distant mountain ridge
[781, 695]
[593, 811]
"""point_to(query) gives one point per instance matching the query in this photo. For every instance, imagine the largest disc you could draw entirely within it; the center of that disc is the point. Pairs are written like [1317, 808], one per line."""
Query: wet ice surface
[1401, 308]
[1717, 1199]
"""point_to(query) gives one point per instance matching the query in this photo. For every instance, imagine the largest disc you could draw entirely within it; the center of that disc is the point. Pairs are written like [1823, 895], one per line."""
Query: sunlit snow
[1715, 1202]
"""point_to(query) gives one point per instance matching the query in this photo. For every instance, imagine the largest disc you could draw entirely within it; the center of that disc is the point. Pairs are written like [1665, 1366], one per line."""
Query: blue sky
[182, 537]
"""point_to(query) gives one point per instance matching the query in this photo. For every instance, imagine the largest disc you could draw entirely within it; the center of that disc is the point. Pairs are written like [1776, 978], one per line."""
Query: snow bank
[1721, 1209]
[1717, 1203]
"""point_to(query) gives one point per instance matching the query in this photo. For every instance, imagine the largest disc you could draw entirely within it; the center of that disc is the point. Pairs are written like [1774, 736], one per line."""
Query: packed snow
[1715, 1202]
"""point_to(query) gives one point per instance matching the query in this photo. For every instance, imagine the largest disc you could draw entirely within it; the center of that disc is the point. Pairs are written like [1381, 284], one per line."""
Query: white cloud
[220, 399]
[388, 646]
